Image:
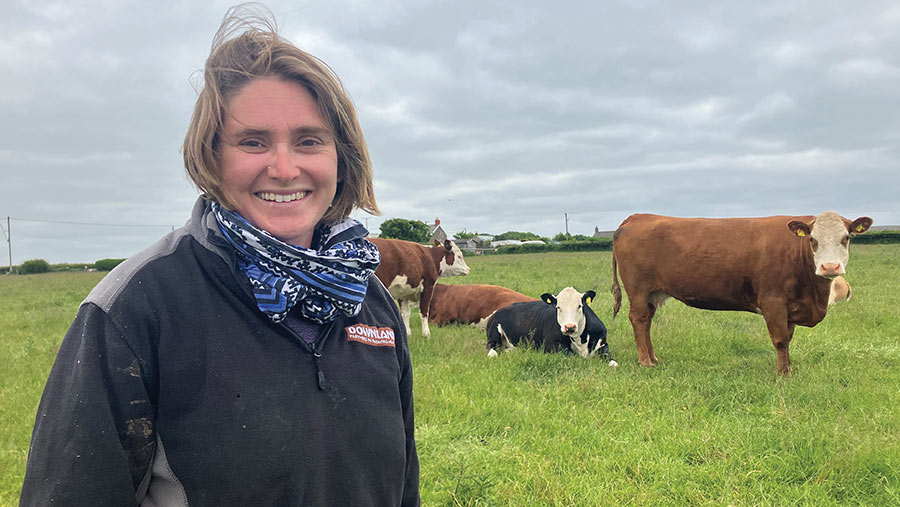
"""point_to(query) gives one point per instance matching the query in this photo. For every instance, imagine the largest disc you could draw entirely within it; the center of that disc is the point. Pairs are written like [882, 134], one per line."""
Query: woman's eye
[308, 143]
[251, 143]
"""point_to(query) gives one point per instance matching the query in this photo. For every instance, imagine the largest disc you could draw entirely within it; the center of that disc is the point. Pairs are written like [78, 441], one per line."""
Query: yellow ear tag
[588, 300]
[801, 233]
[859, 228]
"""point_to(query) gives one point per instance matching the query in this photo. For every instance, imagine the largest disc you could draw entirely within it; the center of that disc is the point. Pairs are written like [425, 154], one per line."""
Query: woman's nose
[282, 166]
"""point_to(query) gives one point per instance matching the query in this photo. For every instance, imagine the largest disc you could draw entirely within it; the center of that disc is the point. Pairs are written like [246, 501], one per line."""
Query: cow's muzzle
[830, 270]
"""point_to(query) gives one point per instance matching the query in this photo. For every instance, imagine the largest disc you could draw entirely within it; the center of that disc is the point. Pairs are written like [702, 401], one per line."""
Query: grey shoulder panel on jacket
[105, 293]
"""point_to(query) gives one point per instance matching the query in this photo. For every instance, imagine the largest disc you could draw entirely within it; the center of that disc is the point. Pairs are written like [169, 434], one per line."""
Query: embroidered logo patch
[375, 336]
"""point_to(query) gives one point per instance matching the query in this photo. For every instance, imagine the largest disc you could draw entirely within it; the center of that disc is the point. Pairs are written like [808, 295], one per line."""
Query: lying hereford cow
[564, 322]
[409, 271]
[778, 266]
[840, 291]
[470, 304]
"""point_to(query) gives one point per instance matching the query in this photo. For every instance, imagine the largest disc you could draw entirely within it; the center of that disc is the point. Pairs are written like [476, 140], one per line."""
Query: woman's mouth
[271, 197]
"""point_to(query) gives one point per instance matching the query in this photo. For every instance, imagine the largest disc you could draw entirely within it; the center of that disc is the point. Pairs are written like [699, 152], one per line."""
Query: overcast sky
[493, 116]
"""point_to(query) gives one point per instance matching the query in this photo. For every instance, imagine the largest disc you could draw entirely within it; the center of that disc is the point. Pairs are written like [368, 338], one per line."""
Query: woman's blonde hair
[247, 47]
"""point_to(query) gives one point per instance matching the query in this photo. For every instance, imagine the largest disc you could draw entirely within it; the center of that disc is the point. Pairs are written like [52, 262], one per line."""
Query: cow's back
[719, 264]
[533, 321]
[403, 259]
[470, 304]
[840, 291]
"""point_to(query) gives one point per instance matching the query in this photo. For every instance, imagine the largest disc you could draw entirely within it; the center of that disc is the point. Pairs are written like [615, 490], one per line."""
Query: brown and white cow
[470, 304]
[778, 266]
[840, 290]
[409, 271]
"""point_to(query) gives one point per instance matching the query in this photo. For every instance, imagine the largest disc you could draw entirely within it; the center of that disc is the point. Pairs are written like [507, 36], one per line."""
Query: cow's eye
[845, 241]
[814, 244]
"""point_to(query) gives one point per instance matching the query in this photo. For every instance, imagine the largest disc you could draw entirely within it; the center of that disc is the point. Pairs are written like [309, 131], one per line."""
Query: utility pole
[567, 226]
[9, 242]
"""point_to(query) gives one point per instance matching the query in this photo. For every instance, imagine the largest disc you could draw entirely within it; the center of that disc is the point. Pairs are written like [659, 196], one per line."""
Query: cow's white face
[829, 238]
[453, 264]
[570, 314]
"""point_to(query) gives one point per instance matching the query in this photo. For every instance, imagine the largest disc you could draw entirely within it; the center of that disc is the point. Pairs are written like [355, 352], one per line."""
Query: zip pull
[319, 373]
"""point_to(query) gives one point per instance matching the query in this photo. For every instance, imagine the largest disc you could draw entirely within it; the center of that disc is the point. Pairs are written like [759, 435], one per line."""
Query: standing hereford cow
[470, 304]
[564, 322]
[778, 266]
[409, 271]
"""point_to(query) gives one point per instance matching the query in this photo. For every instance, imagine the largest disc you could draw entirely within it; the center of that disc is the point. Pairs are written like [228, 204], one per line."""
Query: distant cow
[409, 271]
[564, 322]
[840, 291]
[470, 304]
[777, 266]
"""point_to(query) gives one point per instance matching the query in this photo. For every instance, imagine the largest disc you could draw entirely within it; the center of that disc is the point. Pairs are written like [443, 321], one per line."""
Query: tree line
[419, 232]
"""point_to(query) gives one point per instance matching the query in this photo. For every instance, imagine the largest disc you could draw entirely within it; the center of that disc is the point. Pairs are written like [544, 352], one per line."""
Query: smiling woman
[279, 161]
[225, 365]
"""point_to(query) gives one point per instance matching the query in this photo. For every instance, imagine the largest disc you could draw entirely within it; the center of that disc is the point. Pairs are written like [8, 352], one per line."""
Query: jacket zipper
[315, 350]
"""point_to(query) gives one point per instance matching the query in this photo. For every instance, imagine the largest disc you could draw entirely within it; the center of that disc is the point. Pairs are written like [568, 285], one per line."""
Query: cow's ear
[447, 245]
[588, 296]
[860, 225]
[437, 243]
[800, 228]
[548, 298]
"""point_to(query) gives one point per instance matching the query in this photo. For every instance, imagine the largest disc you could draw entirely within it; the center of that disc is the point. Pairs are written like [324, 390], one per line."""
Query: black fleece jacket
[172, 388]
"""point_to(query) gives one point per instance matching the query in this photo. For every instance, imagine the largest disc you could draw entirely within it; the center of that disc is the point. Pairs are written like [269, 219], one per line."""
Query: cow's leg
[426, 332]
[781, 333]
[495, 338]
[507, 344]
[404, 313]
[652, 354]
[641, 315]
[424, 306]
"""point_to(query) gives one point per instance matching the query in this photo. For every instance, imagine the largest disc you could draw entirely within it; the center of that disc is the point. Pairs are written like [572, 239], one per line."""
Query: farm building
[436, 232]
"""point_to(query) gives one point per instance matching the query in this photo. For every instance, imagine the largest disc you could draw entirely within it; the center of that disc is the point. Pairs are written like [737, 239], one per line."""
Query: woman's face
[279, 160]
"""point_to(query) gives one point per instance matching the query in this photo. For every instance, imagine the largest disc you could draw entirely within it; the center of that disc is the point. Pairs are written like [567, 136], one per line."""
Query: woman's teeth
[282, 198]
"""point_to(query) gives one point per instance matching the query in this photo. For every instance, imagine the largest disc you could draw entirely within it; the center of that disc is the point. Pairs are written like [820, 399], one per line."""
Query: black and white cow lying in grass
[562, 322]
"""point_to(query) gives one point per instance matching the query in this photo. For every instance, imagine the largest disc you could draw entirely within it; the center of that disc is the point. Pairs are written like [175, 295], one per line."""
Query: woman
[249, 358]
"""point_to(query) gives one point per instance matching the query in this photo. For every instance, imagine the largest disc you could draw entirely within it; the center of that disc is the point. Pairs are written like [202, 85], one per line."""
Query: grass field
[712, 424]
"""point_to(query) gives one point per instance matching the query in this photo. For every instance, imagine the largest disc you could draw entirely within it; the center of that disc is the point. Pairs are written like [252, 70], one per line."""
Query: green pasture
[711, 425]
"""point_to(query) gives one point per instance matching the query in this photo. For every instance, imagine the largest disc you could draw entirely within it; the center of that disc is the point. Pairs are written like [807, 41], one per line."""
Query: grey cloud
[491, 116]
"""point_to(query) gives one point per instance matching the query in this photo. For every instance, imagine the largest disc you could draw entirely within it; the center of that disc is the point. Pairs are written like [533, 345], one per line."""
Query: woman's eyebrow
[295, 131]
[249, 132]
[312, 130]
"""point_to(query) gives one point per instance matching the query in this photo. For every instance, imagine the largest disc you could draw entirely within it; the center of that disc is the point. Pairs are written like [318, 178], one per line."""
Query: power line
[89, 223]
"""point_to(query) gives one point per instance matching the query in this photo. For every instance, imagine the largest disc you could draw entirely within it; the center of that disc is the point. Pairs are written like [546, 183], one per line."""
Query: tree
[521, 236]
[463, 234]
[107, 264]
[562, 237]
[35, 266]
[409, 230]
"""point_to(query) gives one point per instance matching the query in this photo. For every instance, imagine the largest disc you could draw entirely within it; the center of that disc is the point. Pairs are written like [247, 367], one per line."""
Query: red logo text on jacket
[370, 335]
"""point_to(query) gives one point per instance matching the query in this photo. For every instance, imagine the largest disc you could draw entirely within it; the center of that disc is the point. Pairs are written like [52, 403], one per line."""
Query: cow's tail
[616, 290]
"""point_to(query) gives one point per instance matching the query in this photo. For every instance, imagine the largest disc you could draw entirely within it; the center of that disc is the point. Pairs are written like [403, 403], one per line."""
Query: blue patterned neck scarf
[329, 278]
